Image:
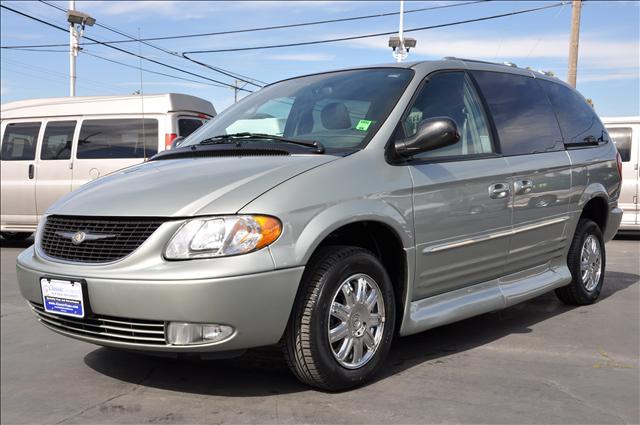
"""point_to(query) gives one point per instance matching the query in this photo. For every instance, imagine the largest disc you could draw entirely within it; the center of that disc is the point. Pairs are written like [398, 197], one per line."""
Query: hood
[185, 187]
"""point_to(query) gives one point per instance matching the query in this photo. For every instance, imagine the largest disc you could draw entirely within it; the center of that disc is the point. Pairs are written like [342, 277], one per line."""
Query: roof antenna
[144, 134]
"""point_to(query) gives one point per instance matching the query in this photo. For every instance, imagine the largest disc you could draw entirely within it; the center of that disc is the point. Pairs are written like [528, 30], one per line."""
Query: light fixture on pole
[74, 18]
[400, 44]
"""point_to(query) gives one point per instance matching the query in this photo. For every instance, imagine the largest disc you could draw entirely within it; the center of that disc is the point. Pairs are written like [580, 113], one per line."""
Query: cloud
[303, 57]
[600, 52]
[587, 77]
[189, 10]
[4, 89]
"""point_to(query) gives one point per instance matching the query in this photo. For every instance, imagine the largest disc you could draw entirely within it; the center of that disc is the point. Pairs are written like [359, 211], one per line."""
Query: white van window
[186, 126]
[19, 141]
[622, 138]
[57, 140]
[118, 138]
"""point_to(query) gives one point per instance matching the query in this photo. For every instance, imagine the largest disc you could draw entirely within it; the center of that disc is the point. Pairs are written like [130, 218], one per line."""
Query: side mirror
[433, 133]
[176, 142]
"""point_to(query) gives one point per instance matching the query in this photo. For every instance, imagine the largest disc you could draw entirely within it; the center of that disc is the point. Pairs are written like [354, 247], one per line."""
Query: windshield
[341, 110]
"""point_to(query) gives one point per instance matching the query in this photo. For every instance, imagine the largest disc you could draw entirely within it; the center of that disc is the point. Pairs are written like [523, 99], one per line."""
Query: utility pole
[73, 52]
[572, 73]
[235, 91]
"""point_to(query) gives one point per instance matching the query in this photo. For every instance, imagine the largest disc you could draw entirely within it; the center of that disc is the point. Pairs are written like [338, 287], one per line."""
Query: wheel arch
[373, 225]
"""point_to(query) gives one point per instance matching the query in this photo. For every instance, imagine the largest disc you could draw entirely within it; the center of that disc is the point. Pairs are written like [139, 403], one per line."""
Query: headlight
[222, 236]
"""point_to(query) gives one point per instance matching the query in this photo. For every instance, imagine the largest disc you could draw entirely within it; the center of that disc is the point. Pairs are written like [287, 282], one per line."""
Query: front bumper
[257, 305]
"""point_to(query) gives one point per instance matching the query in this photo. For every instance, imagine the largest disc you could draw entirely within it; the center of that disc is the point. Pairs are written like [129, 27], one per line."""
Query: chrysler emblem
[78, 238]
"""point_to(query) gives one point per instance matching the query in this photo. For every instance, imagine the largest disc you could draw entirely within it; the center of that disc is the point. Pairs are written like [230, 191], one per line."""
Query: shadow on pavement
[627, 236]
[263, 372]
[4, 243]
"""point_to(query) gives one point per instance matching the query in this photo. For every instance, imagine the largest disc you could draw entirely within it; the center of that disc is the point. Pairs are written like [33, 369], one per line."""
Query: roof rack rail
[513, 65]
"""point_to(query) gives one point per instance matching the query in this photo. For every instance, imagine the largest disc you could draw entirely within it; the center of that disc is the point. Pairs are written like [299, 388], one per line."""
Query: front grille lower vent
[148, 332]
[104, 239]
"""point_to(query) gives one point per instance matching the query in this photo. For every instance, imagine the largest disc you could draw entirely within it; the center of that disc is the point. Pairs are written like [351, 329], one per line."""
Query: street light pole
[399, 44]
[572, 73]
[402, 53]
[73, 52]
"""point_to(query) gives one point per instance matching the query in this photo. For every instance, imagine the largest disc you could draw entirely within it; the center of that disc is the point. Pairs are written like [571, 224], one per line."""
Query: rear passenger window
[578, 120]
[522, 113]
[186, 126]
[19, 141]
[118, 138]
[451, 95]
[622, 138]
[57, 140]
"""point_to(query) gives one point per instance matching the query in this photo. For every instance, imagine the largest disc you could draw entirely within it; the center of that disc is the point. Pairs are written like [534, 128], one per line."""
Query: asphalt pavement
[537, 362]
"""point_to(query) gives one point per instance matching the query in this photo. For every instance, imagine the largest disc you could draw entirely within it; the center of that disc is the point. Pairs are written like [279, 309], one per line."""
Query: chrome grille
[116, 237]
[148, 332]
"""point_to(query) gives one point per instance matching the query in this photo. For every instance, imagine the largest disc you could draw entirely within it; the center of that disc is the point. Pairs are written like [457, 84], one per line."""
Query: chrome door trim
[494, 235]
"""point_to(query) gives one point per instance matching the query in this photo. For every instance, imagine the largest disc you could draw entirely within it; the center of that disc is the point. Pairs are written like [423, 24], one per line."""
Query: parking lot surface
[537, 362]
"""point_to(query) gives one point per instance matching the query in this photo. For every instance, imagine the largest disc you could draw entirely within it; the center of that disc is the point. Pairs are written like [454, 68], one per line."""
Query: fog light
[182, 333]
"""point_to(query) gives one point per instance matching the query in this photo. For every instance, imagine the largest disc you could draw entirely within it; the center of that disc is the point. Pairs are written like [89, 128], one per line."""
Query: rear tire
[15, 236]
[586, 261]
[343, 321]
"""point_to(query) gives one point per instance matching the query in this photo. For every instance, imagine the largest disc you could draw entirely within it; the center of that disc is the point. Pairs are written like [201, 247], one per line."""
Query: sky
[608, 65]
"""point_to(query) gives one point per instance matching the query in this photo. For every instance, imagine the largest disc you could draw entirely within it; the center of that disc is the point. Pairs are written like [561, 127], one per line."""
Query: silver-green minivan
[332, 212]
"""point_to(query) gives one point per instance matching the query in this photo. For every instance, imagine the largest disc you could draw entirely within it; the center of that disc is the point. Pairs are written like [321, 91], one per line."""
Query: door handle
[499, 191]
[31, 171]
[522, 187]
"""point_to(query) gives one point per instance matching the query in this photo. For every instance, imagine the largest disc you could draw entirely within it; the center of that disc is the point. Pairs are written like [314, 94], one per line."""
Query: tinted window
[451, 95]
[19, 141]
[522, 113]
[57, 140]
[186, 126]
[578, 120]
[342, 110]
[622, 138]
[118, 138]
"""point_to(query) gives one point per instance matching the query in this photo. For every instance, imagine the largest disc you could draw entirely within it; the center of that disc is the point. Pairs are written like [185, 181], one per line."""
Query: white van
[52, 146]
[625, 132]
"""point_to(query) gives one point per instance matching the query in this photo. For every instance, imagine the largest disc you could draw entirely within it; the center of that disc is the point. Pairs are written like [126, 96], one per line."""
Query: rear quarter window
[521, 111]
[19, 141]
[118, 138]
[622, 138]
[578, 121]
[186, 126]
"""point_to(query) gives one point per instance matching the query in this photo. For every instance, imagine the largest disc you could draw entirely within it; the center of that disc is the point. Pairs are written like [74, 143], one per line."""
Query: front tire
[342, 323]
[586, 261]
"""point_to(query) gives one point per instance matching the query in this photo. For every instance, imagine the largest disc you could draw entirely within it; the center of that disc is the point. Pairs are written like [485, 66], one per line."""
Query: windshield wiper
[237, 138]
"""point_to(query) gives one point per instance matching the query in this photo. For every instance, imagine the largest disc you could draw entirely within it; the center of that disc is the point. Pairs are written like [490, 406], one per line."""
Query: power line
[356, 37]
[108, 86]
[123, 50]
[273, 27]
[26, 49]
[150, 71]
[245, 79]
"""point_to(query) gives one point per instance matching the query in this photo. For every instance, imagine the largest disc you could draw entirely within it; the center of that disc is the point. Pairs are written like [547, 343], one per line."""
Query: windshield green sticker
[363, 125]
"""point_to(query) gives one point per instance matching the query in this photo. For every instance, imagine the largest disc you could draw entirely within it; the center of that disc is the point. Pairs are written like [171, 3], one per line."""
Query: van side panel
[627, 139]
